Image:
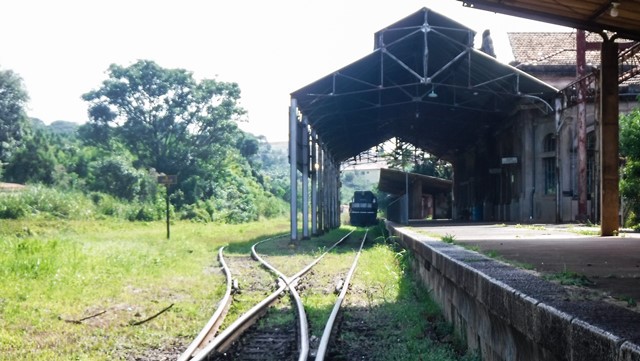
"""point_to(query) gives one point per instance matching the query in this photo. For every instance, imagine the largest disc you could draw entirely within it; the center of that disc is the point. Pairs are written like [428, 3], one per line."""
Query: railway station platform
[509, 312]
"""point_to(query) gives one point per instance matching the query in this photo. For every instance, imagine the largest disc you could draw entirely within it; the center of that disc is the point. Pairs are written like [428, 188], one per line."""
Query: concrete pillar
[293, 175]
[609, 192]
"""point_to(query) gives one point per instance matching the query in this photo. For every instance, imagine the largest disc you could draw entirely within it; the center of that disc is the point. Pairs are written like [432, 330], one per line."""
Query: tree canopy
[164, 116]
[13, 98]
[145, 120]
[405, 156]
[630, 150]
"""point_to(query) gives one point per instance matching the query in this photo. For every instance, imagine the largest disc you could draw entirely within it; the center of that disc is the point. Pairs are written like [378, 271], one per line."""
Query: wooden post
[167, 181]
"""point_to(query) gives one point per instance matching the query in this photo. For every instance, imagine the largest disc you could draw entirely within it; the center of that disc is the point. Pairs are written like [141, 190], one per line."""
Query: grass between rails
[57, 271]
[397, 318]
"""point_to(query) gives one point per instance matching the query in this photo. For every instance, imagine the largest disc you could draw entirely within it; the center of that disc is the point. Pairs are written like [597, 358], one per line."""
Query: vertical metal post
[581, 63]
[314, 183]
[305, 179]
[558, 119]
[406, 196]
[609, 195]
[325, 192]
[321, 186]
[336, 196]
[331, 189]
[293, 157]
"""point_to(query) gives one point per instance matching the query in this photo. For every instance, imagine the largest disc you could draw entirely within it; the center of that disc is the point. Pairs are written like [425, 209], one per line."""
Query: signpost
[167, 180]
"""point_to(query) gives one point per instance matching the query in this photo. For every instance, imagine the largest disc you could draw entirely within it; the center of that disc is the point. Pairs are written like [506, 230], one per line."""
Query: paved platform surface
[611, 263]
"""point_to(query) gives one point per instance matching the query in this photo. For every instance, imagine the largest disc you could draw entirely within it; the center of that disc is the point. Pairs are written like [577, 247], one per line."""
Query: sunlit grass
[54, 272]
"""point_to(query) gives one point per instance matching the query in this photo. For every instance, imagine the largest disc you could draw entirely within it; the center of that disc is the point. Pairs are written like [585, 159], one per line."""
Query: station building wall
[527, 169]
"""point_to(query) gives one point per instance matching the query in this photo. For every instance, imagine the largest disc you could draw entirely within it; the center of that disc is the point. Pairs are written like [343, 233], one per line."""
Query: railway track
[269, 330]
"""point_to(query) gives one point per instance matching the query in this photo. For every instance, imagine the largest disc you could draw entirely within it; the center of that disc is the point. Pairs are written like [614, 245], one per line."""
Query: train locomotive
[363, 209]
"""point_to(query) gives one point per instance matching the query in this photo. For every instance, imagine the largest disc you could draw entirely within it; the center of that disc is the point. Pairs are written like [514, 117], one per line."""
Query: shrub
[11, 207]
[41, 200]
[196, 212]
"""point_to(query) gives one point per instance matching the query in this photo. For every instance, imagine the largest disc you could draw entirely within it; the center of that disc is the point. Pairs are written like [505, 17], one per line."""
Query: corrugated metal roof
[393, 181]
[424, 83]
[590, 15]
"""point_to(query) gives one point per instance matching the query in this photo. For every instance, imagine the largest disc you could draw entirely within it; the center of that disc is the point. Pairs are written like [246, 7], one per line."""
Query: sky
[62, 49]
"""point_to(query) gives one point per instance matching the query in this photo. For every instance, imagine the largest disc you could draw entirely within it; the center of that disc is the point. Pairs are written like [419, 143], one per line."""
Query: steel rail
[310, 265]
[328, 329]
[208, 332]
[224, 339]
[303, 342]
[303, 326]
[242, 323]
[210, 329]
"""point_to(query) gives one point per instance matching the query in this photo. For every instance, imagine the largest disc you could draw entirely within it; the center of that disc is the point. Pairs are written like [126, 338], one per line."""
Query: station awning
[592, 15]
[424, 83]
[394, 182]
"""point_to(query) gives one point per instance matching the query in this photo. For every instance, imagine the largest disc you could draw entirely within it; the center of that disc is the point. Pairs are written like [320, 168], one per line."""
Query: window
[549, 175]
[549, 163]
[549, 143]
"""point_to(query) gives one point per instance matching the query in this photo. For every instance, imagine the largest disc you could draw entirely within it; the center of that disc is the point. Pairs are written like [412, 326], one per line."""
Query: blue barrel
[476, 214]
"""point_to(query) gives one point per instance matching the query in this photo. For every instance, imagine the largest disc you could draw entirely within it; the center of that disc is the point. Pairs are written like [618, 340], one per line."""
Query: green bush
[108, 205]
[147, 212]
[196, 212]
[11, 207]
[40, 200]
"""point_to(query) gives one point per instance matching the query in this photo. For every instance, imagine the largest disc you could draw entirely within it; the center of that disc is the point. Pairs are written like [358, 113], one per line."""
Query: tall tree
[407, 157]
[34, 162]
[13, 98]
[630, 180]
[165, 117]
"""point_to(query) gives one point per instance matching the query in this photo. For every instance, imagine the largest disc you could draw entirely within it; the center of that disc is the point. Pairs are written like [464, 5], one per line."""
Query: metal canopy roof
[423, 83]
[591, 15]
[394, 182]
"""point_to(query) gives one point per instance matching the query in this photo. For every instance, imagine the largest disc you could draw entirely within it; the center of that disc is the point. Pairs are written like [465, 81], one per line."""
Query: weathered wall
[516, 192]
[509, 314]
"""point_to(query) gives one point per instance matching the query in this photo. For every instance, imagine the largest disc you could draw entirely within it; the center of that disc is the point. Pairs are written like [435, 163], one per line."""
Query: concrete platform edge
[502, 322]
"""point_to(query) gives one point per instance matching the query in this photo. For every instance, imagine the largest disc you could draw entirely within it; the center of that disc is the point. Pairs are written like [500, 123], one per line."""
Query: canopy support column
[305, 178]
[293, 156]
[321, 187]
[609, 195]
[314, 183]
[335, 198]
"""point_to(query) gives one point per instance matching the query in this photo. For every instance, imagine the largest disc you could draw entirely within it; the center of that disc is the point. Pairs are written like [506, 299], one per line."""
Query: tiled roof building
[551, 56]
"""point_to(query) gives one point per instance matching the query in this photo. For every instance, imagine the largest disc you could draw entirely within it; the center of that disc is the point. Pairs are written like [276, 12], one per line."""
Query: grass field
[86, 290]
[55, 273]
